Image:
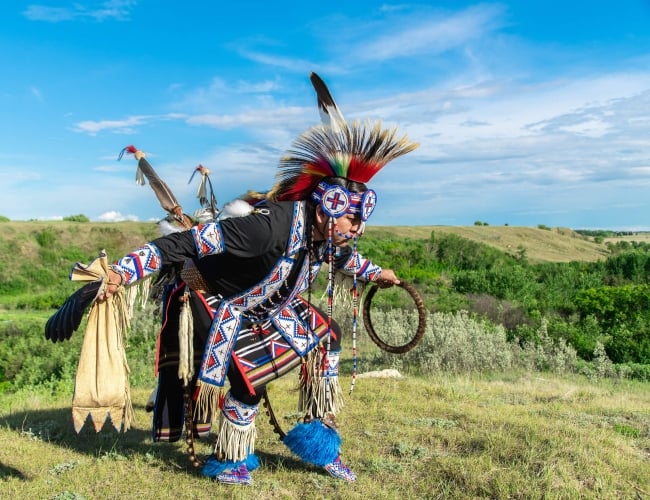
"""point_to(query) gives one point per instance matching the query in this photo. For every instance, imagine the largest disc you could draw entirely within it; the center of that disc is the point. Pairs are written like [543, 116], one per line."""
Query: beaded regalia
[242, 280]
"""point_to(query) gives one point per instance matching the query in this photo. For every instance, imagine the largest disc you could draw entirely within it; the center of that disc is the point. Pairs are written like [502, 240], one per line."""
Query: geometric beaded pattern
[302, 283]
[362, 266]
[332, 364]
[339, 470]
[296, 234]
[237, 412]
[257, 294]
[139, 263]
[221, 340]
[294, 330]
[228, 318]
[208, 239]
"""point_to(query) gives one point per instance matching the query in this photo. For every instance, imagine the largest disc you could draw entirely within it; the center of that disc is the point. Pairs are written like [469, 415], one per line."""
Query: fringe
[129, 413]
[235, 442]
[319, 393]
[137, 295]
[342, 290]
[123, 317]
[186, 341]
[208, 398]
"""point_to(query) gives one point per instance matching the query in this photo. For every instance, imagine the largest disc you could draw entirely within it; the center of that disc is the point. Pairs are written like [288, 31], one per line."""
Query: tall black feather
[329, 111]
[68, 318]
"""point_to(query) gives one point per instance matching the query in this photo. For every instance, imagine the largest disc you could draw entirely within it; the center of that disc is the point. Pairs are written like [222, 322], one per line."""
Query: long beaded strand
[330, 300]
[355, 315]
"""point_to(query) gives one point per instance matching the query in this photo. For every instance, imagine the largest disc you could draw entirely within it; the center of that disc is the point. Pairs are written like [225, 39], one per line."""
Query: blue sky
[527, 112]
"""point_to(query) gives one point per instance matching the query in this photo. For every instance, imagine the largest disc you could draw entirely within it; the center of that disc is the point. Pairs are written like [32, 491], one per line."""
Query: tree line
[585, 303]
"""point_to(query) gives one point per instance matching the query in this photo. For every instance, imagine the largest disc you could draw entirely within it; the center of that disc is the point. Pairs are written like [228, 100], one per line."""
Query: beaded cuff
[363, 267]
[138, 264]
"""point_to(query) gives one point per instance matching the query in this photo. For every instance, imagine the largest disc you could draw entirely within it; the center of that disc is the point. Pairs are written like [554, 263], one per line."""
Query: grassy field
[512, 435]
[550, 245]
[541, 245]
[506, 436]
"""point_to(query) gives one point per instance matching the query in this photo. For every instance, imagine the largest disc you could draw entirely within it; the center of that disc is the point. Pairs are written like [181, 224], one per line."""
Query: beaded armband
[208, 239]
[363, 267]
[138, 264]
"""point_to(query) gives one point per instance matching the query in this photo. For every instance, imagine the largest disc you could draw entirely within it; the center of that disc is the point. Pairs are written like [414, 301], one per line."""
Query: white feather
[235, 208]
[167, 227]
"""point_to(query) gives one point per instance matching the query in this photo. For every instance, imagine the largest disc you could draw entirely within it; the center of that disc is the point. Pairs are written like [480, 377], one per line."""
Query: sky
[526, 112]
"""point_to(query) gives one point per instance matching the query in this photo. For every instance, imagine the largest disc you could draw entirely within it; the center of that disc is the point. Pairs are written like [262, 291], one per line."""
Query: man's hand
[113, 284]
[387, 278]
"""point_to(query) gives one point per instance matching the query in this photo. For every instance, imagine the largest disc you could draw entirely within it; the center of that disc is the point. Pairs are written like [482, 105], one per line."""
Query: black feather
[68, 318]
[329, 111]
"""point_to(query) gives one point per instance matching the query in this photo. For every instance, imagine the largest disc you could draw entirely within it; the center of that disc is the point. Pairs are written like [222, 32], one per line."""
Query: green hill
[540, 245]
[22, 241]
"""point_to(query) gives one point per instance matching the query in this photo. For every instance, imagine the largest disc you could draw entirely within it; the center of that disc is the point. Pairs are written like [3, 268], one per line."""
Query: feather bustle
[357, 152]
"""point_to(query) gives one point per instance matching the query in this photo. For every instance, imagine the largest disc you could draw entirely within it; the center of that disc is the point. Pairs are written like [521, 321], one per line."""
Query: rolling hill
[23, 239]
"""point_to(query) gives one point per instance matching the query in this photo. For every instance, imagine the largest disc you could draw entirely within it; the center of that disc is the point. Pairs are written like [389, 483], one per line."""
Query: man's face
[345, 228]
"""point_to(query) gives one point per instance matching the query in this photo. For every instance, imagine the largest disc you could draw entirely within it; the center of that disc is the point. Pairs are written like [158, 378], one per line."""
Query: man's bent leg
[233, 458]
[316, 439]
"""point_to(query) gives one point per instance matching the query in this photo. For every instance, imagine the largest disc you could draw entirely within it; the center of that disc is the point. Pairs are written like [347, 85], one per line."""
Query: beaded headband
[336, 201]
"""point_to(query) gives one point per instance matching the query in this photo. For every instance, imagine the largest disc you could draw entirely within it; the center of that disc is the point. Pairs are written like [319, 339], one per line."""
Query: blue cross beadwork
[337, 201]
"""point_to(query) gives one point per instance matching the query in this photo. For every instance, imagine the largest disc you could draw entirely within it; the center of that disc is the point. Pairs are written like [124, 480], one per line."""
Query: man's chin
[342, 242]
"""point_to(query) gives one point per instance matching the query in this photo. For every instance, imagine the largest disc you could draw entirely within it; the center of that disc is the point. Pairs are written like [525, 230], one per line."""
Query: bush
[451, 343]
[634, 371]
[46, 237]
[4, 219]
[76, 218]
[458, 343]
[547, 354]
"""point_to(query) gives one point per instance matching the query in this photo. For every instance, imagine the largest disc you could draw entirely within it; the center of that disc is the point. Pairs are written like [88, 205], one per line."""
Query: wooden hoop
[422, 320]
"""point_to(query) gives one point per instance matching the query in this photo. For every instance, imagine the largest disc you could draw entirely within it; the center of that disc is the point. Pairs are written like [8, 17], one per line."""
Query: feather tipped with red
[356, 152]
[129, 149]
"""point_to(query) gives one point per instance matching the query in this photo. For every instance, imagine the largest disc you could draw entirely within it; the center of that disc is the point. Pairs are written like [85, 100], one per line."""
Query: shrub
[458, 343]
[634, 371]
[547, 354]
[76, 218]
[453, 342]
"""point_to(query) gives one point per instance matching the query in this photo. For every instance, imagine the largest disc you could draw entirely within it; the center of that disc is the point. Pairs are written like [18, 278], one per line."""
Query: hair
[352, 186]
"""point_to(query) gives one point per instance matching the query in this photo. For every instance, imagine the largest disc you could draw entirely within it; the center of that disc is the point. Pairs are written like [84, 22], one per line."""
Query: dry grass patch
[516, 435]
[540, 245]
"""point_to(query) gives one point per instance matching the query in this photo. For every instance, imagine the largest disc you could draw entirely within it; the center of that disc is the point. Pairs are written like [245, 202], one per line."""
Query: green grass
[516, 435]
[512, 434]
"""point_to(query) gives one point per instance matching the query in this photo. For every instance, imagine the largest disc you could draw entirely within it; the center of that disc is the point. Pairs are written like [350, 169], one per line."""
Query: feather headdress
[335, 149]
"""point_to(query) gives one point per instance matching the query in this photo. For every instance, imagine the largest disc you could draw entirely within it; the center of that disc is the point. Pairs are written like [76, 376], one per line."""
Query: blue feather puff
[214, 467]
[314, 442]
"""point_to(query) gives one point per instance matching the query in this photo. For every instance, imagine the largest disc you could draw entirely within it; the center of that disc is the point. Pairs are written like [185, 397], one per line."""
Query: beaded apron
[269, 299]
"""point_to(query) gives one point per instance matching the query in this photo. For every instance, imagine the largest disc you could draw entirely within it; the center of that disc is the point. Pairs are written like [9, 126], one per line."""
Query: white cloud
[115, 216]
[36, 92]
[287, 63]
[255, 119]
[118, 10]
[433, 35]
[124, 126]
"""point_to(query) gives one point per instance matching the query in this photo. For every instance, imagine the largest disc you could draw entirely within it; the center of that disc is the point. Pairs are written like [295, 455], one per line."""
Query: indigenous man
[244, 280]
